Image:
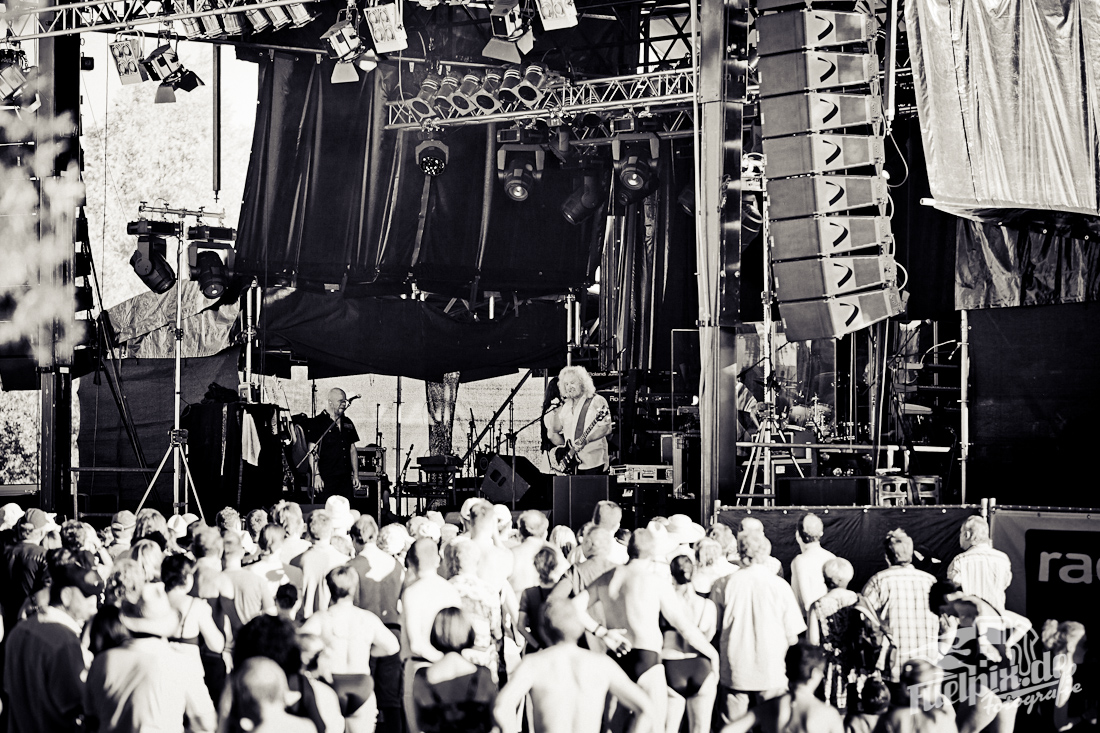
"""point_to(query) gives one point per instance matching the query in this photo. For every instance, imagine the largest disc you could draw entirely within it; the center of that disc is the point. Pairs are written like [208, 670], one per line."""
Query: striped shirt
[899, 595]
[984, 572]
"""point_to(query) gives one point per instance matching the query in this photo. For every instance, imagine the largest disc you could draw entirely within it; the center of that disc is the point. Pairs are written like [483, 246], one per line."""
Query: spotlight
[192, 28]
[421, 104]
[210, 273]
[635, 156]
[300, 15]
[183, 80]
[279, 17]
[234, 23]
[584, 201]
[625, 196]
[507, 92]
[486, 97]
[442, 99]
[258, 19]
[211, 24]
[204, 258]
[150, 265]
[510, 51]
[342, 38]
[521, 159]
[127, 55]
[432, 156]
[505, 18]
[530, 89]
[13, 74]
[557, 14]
[386, 28]
[462, 100]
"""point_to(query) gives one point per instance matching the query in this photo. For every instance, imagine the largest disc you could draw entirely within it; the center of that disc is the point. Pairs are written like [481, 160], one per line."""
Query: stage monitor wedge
[811, 29]
[831, 276]
[817, 153]
[791, 73]
[835, 317]
[793, 114]
[791, 198]
[825, 236]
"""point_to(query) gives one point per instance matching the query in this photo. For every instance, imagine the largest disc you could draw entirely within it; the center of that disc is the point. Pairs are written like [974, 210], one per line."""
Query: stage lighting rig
[531, 87]
[421, 104]
[149, 259]
[342, 38]
[126, 53]
[557, 14]
[13, 77]
[386, 28]
[521, 159]
[635, 152]
[512, 35]
[210, 257]
[432, 156]
[486, 97]
[442, 99]
[513, 75]
[586, 199]
[164, 65]
[463, 100]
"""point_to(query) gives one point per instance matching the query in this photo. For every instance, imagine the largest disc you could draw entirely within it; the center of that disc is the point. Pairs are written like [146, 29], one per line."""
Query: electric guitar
[566, 455]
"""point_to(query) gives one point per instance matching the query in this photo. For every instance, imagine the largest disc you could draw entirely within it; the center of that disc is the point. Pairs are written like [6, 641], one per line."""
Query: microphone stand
[317, 445]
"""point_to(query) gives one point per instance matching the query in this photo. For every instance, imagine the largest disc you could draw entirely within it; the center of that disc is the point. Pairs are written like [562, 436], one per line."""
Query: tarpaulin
[1009, 96]
[146, 323]
[999, 265]
[410, 338]
[857, 533]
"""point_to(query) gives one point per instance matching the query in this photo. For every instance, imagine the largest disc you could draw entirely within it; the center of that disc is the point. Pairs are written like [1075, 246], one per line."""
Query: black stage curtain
[409, 338]
[1035, 376]
[857, 533]
[1031, 258]
[333, 199]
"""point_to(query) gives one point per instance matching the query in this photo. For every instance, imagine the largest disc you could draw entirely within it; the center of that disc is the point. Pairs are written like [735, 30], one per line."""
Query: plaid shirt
[983, 572]
[899, 595]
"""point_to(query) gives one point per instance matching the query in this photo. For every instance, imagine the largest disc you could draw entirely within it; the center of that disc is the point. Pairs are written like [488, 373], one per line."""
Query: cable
[905, 272]
[904, 162]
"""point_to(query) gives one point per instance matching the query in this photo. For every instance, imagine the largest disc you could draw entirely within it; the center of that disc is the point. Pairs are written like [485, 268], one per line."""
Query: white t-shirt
[759, 615]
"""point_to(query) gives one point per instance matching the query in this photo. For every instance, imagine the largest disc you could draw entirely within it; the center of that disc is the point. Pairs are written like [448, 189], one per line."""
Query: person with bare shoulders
[569, 685]
[533, 528]
[924, 709]
[797, 711]
[261, 692]
[634, 597]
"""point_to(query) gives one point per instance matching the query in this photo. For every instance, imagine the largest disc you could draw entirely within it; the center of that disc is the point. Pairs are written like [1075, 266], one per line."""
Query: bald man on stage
[335, 462]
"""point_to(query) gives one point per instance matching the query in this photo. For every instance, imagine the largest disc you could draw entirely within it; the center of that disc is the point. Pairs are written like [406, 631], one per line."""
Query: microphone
[353, 398]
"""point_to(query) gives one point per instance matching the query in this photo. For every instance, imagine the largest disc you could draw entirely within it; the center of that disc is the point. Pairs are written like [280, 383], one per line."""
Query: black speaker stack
[830, 242]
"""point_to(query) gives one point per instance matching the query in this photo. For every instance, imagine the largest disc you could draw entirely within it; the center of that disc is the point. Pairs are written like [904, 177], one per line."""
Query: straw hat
[152, 614]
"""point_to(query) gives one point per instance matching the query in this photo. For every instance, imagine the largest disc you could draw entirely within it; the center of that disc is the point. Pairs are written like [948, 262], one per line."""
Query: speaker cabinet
[835, 317]
[803, 71]
[825, 236]
[811, 29]
[814, 195]
[498, 487]
[575, 498]
[818, 278]
[823, 491]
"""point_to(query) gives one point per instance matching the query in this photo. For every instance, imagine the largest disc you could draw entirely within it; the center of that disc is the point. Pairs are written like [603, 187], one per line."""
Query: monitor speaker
[575, 498]
[498, 486]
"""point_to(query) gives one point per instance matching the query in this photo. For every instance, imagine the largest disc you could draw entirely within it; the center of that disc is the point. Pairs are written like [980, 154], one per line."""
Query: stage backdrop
[856, 534]
[1007, 95]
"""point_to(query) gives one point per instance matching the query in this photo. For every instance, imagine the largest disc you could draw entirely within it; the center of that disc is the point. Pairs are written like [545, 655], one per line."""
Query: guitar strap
[580, 429]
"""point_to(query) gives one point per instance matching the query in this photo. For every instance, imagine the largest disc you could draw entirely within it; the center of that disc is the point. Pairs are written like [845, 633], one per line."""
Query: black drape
[410, 338]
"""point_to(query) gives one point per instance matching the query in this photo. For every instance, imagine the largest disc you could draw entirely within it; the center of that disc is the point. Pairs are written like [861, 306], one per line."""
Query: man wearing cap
[24, 568]
[807, 579]
[141, 685]
[122, 529]
[43, 662]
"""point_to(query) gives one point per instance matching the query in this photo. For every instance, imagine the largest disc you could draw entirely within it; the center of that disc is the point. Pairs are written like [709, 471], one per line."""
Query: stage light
[625, 196]
[521, 159]
[183, 80]
[507, 92]
[432, 156]
[512, 50]
[257, 19]
[505, 18]
[126, 53]
[367, 61]
[342, 38]
[211, 24]
[557, 14]
[209, 245]
[13, 73]
[530, 89]
[421, 104]
[344, 73]
[234, 23]
[386, 28]
[192, 28]
[300, 15]
[442, 99]
[158, 228]
[150, 265]
[279, 17]
[462, 100]
[584, 201]
[486, 97]
[635, 155]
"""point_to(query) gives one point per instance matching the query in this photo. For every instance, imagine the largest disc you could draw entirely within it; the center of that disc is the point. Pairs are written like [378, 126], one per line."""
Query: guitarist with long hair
[580, 426]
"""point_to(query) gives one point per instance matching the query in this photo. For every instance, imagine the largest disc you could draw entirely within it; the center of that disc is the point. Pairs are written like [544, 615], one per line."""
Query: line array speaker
[811, 29]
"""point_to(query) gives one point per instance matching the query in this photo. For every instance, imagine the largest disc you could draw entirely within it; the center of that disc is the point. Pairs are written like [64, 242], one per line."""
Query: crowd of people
[275, 621]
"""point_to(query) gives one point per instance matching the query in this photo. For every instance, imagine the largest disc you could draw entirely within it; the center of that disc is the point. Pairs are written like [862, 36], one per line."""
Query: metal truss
[98, 15]
[641, 94]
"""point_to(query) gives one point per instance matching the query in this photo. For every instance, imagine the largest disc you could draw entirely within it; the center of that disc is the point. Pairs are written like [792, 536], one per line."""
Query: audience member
[315, 564]
[548, 564]
[834, 624]
[453, 694]
[807, 579]
[797, 711]
[533, 529]
[979, 569]
[692, 679]
[260, 691]
[874, 700]
[609, 516]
